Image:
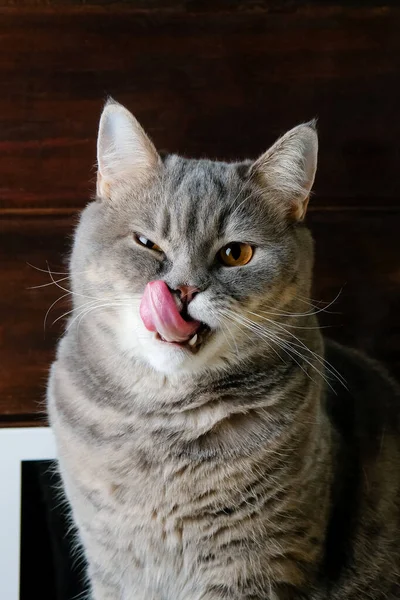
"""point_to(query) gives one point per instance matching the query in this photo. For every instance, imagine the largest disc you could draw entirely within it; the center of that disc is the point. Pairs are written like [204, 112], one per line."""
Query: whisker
[286, 324]
[256, 328]
[36, 287]
[88, 309]
[320, 308]
[51, 306]
[213, 313]
[127, 299]
[324, 362]
[305, 314]
[334, 372]
[65, 290]
[242, 321]
[308, 300]
[46, 270]
[288, 347]
[224, 327]
[85, 304]
[250, 338]
[276, 341]
[82, 295]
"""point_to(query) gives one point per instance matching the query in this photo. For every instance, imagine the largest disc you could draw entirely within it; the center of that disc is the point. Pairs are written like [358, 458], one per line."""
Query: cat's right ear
[286, 171]
[125, 154]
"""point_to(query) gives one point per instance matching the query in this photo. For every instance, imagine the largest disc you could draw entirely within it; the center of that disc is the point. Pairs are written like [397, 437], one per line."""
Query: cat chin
[167, 359]
[173, 360]
[170, 359]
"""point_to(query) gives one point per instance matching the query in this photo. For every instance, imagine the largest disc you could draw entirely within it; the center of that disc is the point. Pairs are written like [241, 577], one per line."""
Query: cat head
[185, 262]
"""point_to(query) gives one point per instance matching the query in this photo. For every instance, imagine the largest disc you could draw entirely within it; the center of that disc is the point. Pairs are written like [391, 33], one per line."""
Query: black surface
[51, 566]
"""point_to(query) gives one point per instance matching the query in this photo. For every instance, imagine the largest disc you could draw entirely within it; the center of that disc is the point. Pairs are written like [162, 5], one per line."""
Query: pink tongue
[160, 313]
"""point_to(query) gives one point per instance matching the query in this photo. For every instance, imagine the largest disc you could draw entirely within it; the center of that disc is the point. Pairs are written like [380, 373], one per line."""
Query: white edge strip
[16, 445]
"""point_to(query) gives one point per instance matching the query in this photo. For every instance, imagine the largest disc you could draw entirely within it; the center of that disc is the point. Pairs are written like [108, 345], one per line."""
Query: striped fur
[245, 472]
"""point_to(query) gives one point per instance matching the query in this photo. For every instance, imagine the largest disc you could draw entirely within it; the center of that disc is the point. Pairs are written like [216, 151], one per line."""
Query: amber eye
[235, 254]
[143, 241]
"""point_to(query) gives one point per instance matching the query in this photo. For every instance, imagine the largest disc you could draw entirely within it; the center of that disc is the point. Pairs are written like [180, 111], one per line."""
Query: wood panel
[355, 253]
[27, 349]
[220, 78]
[217, 78]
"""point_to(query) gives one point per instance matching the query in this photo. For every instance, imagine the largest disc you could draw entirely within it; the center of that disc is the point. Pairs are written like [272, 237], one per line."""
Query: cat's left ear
[287, 170]
[126, 157]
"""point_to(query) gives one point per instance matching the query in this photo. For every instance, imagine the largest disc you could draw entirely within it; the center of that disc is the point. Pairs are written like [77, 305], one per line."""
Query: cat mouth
[164, 313]
[192, 344]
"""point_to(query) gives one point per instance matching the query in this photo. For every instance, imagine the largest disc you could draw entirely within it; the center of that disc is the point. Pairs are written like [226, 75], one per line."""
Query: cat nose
[187, 292]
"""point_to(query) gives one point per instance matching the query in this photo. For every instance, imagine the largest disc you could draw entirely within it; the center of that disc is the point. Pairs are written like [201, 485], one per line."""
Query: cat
[212, 444]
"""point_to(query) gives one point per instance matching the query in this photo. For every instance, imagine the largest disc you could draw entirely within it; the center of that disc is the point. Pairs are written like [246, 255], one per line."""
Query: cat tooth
[193, 340]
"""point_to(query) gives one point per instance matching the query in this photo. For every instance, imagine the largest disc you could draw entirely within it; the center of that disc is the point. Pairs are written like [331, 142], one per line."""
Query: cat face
[187, 256]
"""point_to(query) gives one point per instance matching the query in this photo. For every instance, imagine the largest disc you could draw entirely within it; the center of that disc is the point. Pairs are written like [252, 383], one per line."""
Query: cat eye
[235, 254]
[143, 241]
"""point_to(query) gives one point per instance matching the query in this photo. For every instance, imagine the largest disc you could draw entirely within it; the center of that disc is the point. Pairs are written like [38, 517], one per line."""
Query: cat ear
[124, 152]
[287, 169]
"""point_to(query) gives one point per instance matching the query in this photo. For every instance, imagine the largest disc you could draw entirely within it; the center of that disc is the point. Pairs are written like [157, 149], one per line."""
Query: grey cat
[211, 443]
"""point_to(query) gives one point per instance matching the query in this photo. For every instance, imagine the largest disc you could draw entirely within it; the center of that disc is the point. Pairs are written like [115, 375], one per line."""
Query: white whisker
[87, 310]
[315, 310]
[51, 306]
[46, 270]
[69, 291]
[36, 287]
[271, 338]
[285, 344]
[330, 368]
[224, 327]
[85, 305]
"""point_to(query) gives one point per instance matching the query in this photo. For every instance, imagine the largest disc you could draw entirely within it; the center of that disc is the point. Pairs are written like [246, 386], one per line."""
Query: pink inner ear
[299, 209]
[160, 313]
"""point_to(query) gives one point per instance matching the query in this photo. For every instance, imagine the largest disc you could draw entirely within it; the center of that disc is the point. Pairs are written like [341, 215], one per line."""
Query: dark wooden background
[220, 78]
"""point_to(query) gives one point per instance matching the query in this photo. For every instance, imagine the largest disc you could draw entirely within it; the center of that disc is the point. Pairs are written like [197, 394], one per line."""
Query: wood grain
[221, 79]
[357, 258]
[26, 348]
[217, 78]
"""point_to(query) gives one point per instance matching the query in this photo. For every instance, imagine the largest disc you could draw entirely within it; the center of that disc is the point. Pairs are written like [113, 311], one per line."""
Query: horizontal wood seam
[317, 10]
[71, 211]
